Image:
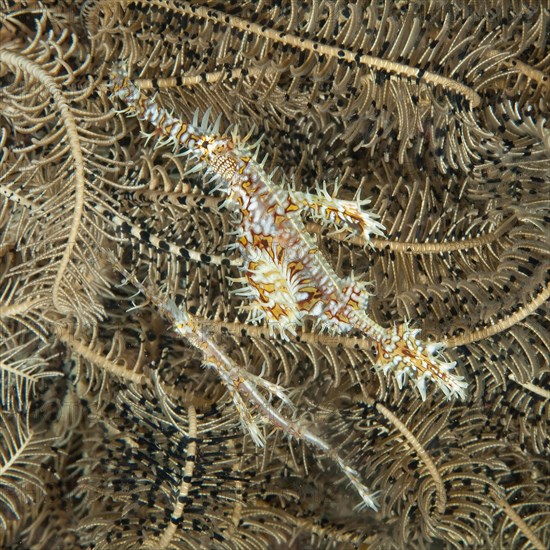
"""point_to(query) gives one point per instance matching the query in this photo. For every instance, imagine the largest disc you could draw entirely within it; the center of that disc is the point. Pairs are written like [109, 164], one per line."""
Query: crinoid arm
[406, 355]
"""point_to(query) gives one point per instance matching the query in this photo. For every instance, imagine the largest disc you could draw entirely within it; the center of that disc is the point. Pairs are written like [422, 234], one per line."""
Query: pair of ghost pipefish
[286, 277]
